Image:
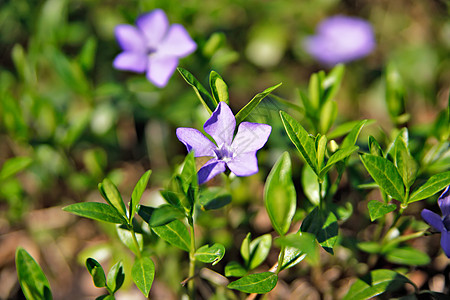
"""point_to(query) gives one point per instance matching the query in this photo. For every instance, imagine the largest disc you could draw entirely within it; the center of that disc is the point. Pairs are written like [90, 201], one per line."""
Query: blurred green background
[71, 119]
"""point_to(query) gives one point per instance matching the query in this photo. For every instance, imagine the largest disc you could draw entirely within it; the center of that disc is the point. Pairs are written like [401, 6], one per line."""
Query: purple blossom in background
[239, 154]
[152, 46]
[442, 224]
[341, 39]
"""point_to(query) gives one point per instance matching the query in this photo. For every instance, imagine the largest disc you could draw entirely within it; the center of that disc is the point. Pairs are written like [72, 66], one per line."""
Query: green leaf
[352, 137]
[374, 147]
[110, 193]
[175, 233]
[432, 186]
[235, 269]
[337, 156]
[172, 198]
[321, 145]
[34, 284]
[209, 254]
[259, 249]
[219, 88]
[97, 211]
[188, 174]
[303, 242]
[214, 198]
[105, 297]
[96, 271]
[370, 247]
[310, 185]
[203, 95]
[143, 273]
[280, 197]
[259, 283]
[138, 191]
[406, 165]
[301, 139]
[376, 283]
[14, 165]
[314, 91]
[407, 256]
[385, 175]
[245, 249]
[158, 216]
[126, 237]
[247, 109]
[328, 114]
[116, 277]
[323, 224]
[395, 92]
[291, 257]
[332, 82]
[87, 54]
[378, 209]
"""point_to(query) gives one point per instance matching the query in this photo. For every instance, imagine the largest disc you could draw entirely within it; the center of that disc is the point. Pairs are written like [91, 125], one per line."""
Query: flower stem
[191, 287]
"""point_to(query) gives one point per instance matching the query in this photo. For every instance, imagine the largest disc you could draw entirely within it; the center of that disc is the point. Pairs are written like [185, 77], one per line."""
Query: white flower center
[224, 153]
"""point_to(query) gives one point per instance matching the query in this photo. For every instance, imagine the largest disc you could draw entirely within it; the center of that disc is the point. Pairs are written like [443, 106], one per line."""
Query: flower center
[224, 153]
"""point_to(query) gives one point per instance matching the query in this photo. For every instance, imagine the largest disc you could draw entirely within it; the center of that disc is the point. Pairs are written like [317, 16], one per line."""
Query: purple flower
[239, 154]
[153, 46]
[441, 224]
[341, 39]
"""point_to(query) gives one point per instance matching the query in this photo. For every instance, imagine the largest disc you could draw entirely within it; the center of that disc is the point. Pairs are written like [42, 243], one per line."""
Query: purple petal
[445, 242]
[244, 164]
[160, 69]
[130, 38]
[221, 125]
[154, 27]
[444, 201]
[177, 42]
[131, 61]
[250, 137]
[433, 219]
[210, 170]
[195, 140]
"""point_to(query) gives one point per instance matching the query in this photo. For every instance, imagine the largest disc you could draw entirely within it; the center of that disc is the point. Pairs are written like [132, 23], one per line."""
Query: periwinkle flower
[441, 224]
[341, 39]
[239, 154]
[152, 46]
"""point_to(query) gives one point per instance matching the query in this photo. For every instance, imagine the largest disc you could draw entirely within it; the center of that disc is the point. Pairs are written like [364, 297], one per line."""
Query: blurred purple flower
[152, 46]
[341, 39]
[239, 154]
[441, 224]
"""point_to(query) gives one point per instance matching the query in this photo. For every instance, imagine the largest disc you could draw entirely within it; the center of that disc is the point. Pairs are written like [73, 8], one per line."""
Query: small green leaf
[97, 211]
[301, 139]
[259, 249]
[321, 149]
[234, 269]
[405, 163]
[111, 194]
[370, 247]
[219, 88]
[352, 137]
[310, 185]
[304, 242]
[259, 283]
[323, 224]
[127, 239]
[328, 114]
[407, 256]
[138, 191]
[14, 165]
[280, 197]
[175, 233]
[188, 174]
[378, 209]
[337, 156]
[203, 95]
[143, 273]
[332, 82]
[247, 109]
[214, 198]
[395, 92]
[209, 254]
[291, 257]
[375, 283]
[105, 297]
[374, 147]
[172, 198]
[245, 249]
[158, 216]
[432, 186]
[385, 175]
[34, 284]
[116, 277]
[97, 272]
[314, 91]
[87, 54]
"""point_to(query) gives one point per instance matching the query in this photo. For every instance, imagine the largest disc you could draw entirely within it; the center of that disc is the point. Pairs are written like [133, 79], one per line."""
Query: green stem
[136, 244]
[280, 259]
[191, 287]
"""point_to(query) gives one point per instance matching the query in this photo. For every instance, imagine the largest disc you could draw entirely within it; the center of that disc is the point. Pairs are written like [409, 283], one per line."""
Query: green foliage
[214, 198]
[97, 272]
[143, 273]
[96, 211]
[323, 225]
[116, 277]
[259, 283]
[219, 88]
[378, 209]
[433, 185]
[111, 194]
[210, 254]
[13, 166]
[137, 193]
[175, 233]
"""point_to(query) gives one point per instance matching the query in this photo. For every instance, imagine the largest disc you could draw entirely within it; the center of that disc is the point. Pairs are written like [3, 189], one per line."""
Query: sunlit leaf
[97, 272]
[175, 233]
[322, 224]
[210, 254]
[97, 211]
[378, 209]
[432, 186]
[143, 273]
[203, 95]
[138, 191]
[259, 283]
[116, 277]
[219, 88]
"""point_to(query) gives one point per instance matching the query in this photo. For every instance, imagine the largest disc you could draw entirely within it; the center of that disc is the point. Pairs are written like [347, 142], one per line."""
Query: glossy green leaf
[310, 185]
[214, 198]
[375, 283]
[432, 186]
[385, 175]
[234, 269]
[245, 249]
[219, 88]
[188, 174]
[328, 114]
[259, 283]
[127, 239]
[14, 165]
[407, 256]
[203, 95]
[332, 82]
[175, 233]
[405, 163]
[210, 254]
[322, 224]
[351, 138]
[143, 273]
[338, 156]
[374, 147]
[158, 216]
[259, 249]
[279, 195]
[314, 91]
[291, 257]
[138, 191]
[301, 139]
[97, 272]
[310, 110]
[32, 280]
[171, 198]
[378, 209]
[321, 146]
[116, 277]
[303, 242]
[97, 211]
[111, 194]
[247, 109]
